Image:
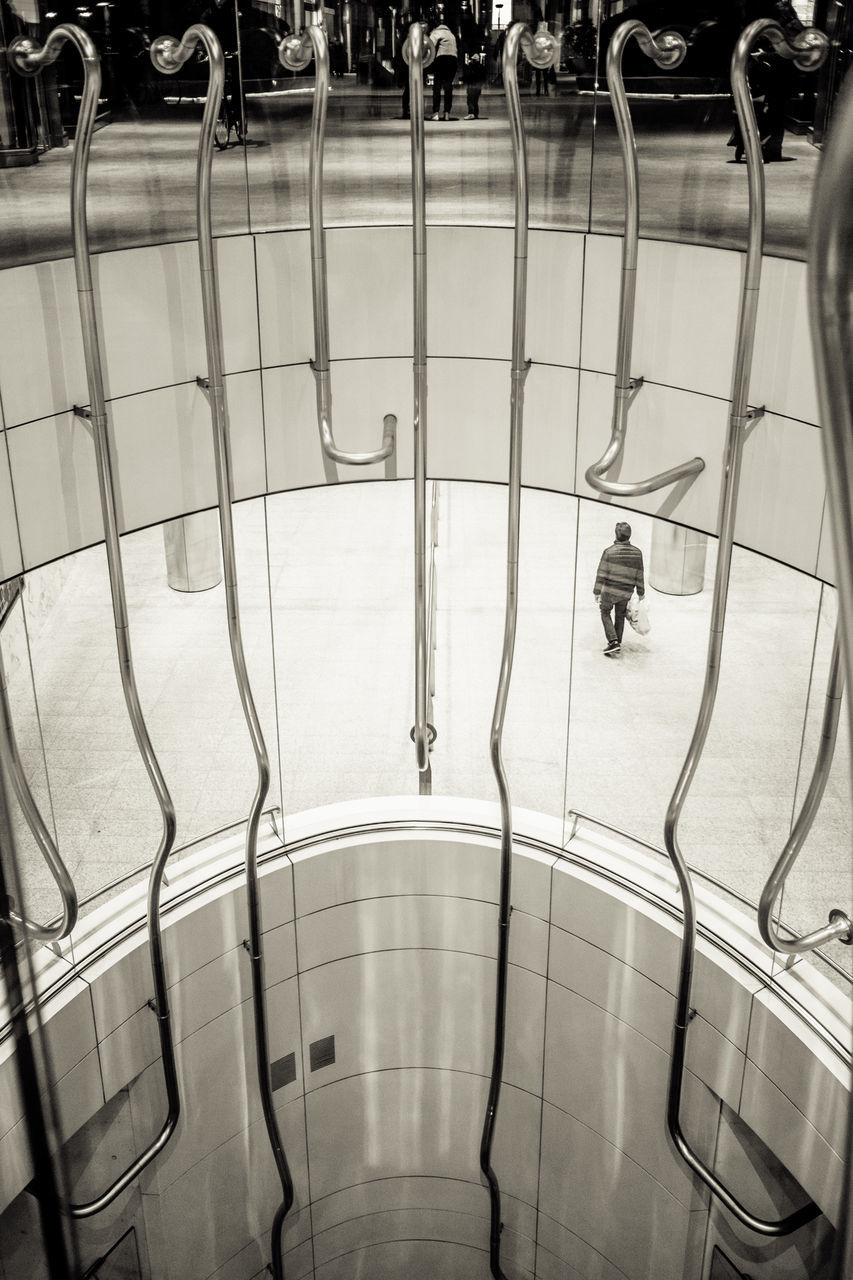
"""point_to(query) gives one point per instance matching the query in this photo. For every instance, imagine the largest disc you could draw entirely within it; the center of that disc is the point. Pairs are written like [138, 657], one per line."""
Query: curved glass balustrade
[142, 156]
[326, 604]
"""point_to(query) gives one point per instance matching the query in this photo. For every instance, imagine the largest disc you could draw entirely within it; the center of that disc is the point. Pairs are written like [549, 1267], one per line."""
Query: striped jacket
[619, 572]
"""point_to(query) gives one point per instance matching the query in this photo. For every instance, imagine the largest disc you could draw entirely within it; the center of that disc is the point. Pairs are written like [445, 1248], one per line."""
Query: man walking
[620, 571]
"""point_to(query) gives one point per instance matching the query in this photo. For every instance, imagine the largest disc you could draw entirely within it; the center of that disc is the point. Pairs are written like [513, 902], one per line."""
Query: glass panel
[822, 878]
[367, 165]
[341, 569]
[471, 609]
[108, 820]
[142, 171]
[632, 716]
[691, 189]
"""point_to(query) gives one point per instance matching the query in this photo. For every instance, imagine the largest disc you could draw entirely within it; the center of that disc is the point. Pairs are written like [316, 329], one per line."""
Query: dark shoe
[613, 647]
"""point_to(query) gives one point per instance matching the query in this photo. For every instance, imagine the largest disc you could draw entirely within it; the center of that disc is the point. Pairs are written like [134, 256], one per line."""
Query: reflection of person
[443, 69]
[771, 78]
[472, 77]
[620, 572]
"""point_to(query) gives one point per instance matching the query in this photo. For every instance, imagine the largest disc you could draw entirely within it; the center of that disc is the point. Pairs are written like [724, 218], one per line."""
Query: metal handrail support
[840, 925]
[540, 50]
[28, 57]
[295, 53]
[425, 778]
[830, 260]
[168, 55]
[667, 50]
[60, 928]
[802, 50]
[419, 53]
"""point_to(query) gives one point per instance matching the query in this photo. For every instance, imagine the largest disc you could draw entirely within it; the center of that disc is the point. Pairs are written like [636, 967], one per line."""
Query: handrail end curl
[839, 918]
[24, 53]
[296, 51]
[164, 52]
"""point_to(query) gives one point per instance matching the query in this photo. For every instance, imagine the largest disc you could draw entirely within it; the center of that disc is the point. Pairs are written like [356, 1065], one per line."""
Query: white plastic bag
[641, 623]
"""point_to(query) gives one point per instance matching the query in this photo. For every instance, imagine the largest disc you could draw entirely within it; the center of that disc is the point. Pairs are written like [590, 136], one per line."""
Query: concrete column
[677, 561]
[192, 552]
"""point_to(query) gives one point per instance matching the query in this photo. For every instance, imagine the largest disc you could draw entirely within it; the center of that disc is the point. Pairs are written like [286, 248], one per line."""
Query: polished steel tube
[28, 58]
[831, 315]
[168, 56]
[667, 50]
[739, 418]
[418, 53]
[540, 50]
[295, 53]
[62, 926]
[32, 1071]
[839, 925]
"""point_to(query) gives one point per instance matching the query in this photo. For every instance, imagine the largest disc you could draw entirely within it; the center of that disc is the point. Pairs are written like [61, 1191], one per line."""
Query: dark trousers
[613, 627]
[444, 71]
[474, 91]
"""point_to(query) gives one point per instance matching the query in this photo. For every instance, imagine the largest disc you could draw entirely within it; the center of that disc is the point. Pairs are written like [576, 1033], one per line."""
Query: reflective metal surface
[295, 53]
[839, 926]
[540, 51]
[61, 927]
[830, 273]
[666, 51]
[418, 53]
[739, 418]
[29, 59]
[169, 56]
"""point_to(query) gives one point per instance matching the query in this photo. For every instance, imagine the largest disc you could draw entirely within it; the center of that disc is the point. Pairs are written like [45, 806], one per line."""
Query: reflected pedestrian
[443, 69]
[620, 573]
[473, 76]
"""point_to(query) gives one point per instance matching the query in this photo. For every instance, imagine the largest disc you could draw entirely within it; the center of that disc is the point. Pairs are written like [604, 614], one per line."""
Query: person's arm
[641, 583]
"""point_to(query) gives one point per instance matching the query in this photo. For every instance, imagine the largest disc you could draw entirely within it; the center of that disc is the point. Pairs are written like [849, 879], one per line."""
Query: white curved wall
[387, 941]
[151, 324]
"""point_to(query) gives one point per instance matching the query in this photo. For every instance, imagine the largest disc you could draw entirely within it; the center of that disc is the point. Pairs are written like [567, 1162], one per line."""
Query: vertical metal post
[540, 50]
[169, 55]
[831, 314]
[805, 50]
[28, 58]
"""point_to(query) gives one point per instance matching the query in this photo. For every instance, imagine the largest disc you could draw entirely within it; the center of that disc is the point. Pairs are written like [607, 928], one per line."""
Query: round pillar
[192, 552]
[677, 562]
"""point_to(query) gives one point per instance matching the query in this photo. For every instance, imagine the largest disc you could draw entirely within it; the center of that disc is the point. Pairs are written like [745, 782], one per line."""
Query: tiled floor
[335, 607]
[142, 173]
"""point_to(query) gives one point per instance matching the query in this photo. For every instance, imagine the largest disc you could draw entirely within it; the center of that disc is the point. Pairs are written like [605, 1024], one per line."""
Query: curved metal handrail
[295, 53]
[28, 57]
[418, 53]
[667, 50]
[540, 50]
[169, 55]
[830, 266]
[59, 928]
[840, 925]
[739, 419]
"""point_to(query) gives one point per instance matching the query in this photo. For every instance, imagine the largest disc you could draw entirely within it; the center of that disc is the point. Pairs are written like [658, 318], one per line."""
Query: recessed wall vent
[322, 1053]
[283, 1071]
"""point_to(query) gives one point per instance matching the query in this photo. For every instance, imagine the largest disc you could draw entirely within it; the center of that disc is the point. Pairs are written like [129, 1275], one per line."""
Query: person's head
[623, 531]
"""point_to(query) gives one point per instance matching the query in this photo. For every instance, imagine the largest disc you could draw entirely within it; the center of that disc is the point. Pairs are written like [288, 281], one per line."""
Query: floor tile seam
[775, 1084]
[583, 1240]
[380, 1071]
[683, 1204]
[414, 1208]
[380, 951]
[388, 897]
[163, 1187]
